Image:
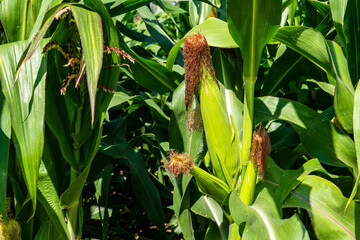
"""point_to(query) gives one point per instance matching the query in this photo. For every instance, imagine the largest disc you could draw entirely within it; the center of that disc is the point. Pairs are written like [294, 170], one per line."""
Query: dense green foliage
[92, 109]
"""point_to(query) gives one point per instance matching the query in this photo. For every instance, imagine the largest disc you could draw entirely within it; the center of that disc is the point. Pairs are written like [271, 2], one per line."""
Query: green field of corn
[179, 120]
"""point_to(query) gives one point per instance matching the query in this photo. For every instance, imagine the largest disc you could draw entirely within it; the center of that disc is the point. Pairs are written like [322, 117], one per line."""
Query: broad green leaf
[91, 34]
[49, 199]
[320, 138]
[158, 77]
[215, 32]
[325, 204]
[26, 101]
[310, 43]
[344, 90]
[292, 178]
[146, 192]
[357, 140]
[252, 24]
[5, 135]
[18, 26]
[44, 7]
[34, 43]
[264, 218]
[209, 208]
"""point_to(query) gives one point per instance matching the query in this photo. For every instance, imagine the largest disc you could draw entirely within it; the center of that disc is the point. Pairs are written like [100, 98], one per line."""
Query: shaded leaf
[5, 134]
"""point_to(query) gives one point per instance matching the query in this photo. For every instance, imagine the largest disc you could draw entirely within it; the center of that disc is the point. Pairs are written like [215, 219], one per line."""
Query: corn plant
[191, 119]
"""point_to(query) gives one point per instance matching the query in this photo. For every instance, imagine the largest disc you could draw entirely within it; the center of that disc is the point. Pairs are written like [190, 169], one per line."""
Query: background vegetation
[92, 101]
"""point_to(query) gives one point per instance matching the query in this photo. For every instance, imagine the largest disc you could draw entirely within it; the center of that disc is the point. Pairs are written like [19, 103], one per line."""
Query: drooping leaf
[89, 26]
[325, 204]
[252, 24]
[5, 134]
[26, 100]
[145, 190]
[264, 218]
[320, 138]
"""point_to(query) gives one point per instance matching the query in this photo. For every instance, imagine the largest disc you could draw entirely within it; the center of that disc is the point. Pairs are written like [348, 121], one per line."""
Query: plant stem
[72, 213]
[248, 174]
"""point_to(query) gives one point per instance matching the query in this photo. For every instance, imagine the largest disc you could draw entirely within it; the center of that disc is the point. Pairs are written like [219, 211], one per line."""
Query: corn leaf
[325, 204]
[292, 178]
[264, 218]
[252, 24]
[310, 43]
[26, 100]
[351, 29]
[145, 190]
[344, 90]
[90, 29]
[207, 207]
[320, 138]
[5, 134]
[357, 141]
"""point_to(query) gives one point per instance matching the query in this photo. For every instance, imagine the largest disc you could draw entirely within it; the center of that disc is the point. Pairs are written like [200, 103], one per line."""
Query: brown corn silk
[260, 149]
[196, 58]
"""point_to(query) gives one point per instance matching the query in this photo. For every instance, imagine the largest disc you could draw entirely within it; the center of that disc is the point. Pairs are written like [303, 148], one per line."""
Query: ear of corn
[220, 137]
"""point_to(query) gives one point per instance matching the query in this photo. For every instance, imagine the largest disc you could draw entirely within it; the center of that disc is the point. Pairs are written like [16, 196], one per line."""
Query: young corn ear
[220, 137]
[260, 149]
[208, 184]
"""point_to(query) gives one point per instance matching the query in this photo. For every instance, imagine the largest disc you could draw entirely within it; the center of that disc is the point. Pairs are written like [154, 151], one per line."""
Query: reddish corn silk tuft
[197, 59]
[194, 120]
[260, 149]
[179, 163]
